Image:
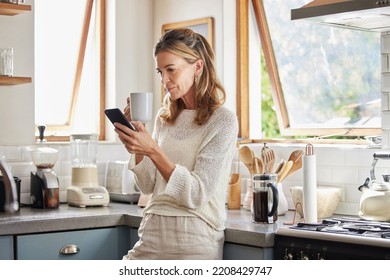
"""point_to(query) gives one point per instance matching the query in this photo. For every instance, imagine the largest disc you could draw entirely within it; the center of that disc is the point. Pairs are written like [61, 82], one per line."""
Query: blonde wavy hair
[209, 92]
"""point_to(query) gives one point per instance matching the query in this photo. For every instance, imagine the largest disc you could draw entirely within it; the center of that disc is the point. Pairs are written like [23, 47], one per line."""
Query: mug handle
[275, 199]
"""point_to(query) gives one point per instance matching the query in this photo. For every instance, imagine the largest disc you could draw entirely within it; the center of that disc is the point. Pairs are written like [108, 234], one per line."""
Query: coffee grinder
[84, 189]
[44, 184]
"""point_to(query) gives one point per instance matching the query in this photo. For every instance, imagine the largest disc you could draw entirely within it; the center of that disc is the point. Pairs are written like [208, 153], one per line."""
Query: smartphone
[116, 115]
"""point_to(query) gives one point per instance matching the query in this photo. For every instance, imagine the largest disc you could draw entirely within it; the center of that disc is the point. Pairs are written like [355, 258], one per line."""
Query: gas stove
[335, 238]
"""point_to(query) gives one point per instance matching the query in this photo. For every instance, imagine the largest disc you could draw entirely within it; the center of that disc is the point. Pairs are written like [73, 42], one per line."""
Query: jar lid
[265, 177]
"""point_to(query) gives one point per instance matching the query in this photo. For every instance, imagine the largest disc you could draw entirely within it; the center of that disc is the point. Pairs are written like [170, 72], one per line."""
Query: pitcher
[265, 198]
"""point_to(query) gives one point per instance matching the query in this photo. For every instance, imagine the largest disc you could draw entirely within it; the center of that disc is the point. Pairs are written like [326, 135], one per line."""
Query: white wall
[130, 64]
[17, 102]
[223, 12]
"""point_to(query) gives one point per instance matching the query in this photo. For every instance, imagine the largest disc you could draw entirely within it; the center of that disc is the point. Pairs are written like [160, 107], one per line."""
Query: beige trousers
[176, 238]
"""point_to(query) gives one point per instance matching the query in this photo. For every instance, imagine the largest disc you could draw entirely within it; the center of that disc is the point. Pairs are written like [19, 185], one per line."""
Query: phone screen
[116, 115]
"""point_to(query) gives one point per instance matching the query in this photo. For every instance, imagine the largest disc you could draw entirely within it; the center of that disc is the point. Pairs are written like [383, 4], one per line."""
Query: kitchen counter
[239, 228]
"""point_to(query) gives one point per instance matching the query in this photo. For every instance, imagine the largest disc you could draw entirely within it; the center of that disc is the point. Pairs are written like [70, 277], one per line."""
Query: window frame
[101, 13]
[276, 87]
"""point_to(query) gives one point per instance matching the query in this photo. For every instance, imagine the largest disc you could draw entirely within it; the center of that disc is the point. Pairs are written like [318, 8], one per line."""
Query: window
[69, 73]
[325, 80]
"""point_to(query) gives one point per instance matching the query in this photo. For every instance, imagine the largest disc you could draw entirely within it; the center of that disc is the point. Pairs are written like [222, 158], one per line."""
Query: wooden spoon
[259, 165]
[296, 158]
[271, 160]
[246, 155]
[285, 171]
[279, 167]
[265, 156]
[255, 166]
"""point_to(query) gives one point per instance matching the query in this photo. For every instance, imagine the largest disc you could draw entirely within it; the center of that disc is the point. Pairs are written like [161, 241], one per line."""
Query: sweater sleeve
[144, 173]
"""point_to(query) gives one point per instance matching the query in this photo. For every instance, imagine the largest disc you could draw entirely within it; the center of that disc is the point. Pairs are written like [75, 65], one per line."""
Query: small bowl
[327, 200]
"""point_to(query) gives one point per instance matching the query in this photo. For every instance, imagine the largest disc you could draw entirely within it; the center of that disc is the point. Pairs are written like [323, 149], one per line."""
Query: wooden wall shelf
[12, 81]
[8, 9]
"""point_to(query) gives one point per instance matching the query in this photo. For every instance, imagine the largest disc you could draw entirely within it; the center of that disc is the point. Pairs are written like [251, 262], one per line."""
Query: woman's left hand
[136, 142]
[142, 144]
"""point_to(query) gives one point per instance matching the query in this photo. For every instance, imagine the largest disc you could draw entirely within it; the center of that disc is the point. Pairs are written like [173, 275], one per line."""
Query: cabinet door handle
[69, 250]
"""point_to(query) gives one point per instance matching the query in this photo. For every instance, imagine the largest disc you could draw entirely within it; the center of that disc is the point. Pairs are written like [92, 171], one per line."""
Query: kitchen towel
[309, 185]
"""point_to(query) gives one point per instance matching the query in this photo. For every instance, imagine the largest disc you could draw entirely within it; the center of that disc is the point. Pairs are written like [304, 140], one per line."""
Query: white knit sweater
[203, 156]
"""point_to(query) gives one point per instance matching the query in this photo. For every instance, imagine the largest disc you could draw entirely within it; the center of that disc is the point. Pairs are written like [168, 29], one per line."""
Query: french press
[265, 198]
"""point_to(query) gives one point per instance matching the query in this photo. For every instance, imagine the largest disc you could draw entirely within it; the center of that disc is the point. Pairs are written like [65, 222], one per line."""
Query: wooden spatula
[296, 158]
[285, 171]
[246, 155]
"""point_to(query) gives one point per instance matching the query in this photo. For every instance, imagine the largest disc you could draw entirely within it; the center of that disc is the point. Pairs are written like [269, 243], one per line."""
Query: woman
[185, 165]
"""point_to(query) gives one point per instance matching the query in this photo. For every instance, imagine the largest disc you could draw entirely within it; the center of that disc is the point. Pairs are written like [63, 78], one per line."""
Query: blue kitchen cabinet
[133, 237]
[92, 244]
[6, 248]
[232, 251]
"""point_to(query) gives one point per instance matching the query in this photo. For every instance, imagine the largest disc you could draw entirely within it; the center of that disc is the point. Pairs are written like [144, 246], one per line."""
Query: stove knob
[287, 255]
[304, 257]
[320, 257]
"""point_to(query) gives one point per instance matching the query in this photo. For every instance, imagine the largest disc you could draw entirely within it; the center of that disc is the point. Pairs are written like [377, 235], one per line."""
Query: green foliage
[269, 121]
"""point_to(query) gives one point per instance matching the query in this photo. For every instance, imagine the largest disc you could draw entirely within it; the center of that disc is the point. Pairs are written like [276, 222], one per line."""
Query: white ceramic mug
[141, 104]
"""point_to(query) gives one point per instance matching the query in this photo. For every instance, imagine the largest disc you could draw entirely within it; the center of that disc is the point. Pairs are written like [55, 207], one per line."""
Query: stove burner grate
[350, 226]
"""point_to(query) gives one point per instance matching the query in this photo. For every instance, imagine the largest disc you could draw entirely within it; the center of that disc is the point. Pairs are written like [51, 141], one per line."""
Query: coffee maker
[84, 189]
[44, 184]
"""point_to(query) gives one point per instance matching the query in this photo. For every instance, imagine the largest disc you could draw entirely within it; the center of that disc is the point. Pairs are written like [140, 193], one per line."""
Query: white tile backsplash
[385, 82]
[11, 153]
[385, 120]
[344, 166]
[19, 160]
[324, 174]
[385, 62]
[385, 85]
[23, 169]
[385, 43]
[344, 175]
[331, 156]
[385, 105]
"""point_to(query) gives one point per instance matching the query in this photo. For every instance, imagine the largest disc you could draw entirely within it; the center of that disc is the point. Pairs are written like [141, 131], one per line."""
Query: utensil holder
[282, 205]
[234, 192]
[248, 199]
